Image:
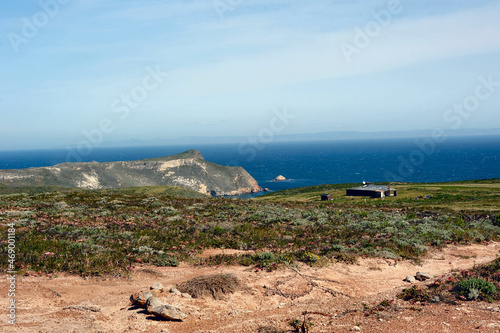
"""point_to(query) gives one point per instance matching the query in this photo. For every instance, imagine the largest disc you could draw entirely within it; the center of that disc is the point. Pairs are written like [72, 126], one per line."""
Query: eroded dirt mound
[217, 286]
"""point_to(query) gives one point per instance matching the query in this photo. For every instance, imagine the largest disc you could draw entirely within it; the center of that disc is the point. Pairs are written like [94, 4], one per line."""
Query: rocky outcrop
[168, 312]
[409, 278]
[280, 178]
[139, 299]
[187, 169]
[154, 305]
[422, 276]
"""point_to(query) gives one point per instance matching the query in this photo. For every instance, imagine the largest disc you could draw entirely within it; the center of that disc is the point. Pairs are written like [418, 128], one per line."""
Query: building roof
[372, 188]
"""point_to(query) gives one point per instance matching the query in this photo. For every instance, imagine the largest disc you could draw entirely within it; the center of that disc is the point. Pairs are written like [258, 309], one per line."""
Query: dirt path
[338, 291]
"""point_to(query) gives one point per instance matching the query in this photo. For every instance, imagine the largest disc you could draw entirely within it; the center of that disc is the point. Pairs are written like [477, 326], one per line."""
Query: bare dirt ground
[336, 293]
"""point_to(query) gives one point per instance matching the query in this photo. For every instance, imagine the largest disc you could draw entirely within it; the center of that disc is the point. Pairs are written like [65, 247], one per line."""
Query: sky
[91, 71]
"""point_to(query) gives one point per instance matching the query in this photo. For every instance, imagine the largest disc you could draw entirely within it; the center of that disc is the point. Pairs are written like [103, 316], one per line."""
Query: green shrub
[338, 248]
[166, 261]
[411, 216]
[299, 325]
[310, 257]
[266, 256]
[496, 220]
[472, 287]
[347, 258]
[415, 294]
[219, 231]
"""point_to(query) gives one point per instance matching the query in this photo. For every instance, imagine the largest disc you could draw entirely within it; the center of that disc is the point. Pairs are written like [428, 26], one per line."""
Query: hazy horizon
[279, 138]
[84, 73]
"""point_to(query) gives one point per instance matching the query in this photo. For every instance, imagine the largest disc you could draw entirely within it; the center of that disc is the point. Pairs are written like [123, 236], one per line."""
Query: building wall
[361, 193]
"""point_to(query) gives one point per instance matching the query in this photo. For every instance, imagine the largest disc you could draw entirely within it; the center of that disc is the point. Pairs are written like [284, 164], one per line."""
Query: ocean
[314, 163]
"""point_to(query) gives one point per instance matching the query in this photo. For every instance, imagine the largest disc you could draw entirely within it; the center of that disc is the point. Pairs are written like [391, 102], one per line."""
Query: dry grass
[216, 286]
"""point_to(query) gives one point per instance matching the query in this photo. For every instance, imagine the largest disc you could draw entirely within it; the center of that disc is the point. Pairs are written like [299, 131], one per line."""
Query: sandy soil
[338, 293]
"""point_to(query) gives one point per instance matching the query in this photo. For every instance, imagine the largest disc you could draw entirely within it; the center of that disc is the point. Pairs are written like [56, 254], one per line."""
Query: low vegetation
[112, 231]
[472, 195]
[480, 283]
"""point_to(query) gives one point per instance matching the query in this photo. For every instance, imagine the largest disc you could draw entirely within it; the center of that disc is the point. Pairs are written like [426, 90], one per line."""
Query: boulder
[153, 302]
[409, 278]
[175, 291]
[140, 298]
[156, 286]
[421, 276]
[169, 312]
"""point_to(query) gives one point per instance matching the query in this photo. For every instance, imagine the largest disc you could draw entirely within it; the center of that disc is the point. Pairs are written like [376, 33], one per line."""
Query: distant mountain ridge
[188, 169]
[318, 136]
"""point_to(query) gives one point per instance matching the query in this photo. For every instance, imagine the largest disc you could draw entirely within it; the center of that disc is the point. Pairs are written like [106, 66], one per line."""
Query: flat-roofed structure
[370, 190]
[326, 197]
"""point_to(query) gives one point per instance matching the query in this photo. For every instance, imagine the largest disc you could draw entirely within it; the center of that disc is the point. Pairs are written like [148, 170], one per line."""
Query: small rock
[156, 286]
[421, 276]
[175, 291]
[152, 302]
[435, 299]
[141, 298]
[168, 312]
[356, 329]
[409, 278]
[186, 295]
[280, 178]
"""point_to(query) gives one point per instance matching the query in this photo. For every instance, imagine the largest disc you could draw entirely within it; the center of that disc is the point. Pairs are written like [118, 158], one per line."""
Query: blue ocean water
[313, 163]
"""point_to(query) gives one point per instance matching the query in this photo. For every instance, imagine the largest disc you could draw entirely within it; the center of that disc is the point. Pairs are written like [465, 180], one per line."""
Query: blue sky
[226, 66]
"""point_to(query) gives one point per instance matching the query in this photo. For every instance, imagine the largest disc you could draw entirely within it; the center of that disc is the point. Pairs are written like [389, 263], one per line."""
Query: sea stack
[280, 178]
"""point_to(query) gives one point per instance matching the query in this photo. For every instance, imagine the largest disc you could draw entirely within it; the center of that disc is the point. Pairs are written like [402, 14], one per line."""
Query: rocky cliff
[187, 169]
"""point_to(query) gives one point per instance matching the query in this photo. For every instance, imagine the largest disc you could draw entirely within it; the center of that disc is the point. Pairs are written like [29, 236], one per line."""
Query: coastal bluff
[188, 169]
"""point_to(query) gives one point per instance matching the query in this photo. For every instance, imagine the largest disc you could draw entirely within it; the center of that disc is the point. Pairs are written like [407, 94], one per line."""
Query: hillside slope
[187, 169]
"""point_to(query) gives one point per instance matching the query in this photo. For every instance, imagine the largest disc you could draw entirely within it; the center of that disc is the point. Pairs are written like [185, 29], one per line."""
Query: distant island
[318, 136]
[188, 169]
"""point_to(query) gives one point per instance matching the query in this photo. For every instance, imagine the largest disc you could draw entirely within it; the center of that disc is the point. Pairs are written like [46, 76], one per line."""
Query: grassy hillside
[475, 195]
[90, 232]
[168, 191]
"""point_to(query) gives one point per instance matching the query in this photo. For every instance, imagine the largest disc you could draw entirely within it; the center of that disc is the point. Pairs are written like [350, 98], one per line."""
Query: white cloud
[318, 56]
